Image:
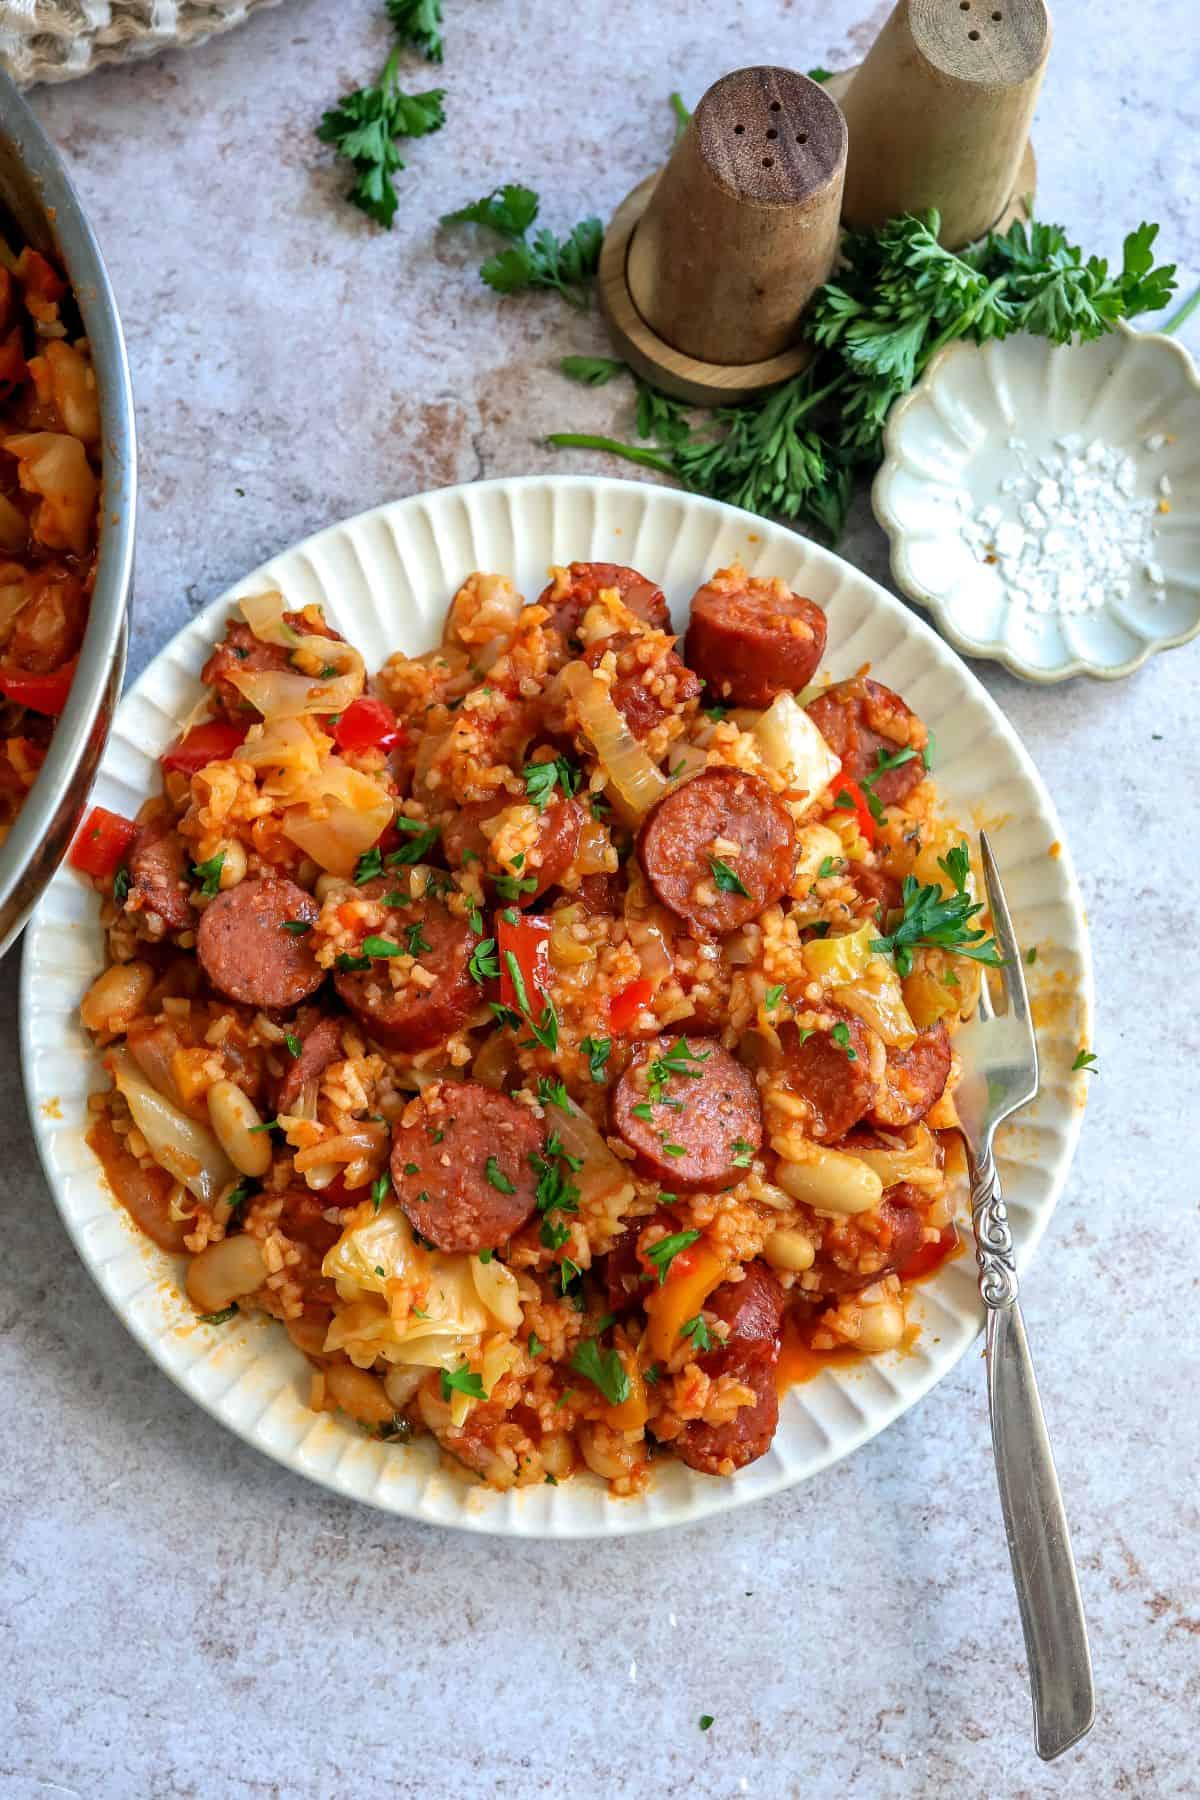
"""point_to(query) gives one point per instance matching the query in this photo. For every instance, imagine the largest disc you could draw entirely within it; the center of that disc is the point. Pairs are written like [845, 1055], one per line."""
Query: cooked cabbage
[288, 693]
[790, 743]
[839, 960]
[634, 779]
[341, 814]
[56, 467]
[878, 1000]
[179, 1144]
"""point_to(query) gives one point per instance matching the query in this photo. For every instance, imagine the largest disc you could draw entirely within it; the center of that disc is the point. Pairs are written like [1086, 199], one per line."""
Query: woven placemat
[56, 40]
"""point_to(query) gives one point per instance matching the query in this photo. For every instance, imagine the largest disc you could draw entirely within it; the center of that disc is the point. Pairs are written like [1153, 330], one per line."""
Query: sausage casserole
[556, 1034]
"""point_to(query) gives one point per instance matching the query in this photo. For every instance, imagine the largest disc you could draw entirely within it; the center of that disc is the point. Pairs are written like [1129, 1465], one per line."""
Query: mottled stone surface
[178, 1616]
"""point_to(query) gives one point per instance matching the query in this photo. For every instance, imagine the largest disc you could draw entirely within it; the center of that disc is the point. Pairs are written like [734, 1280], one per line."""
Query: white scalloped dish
[385, 579]
[958, 449]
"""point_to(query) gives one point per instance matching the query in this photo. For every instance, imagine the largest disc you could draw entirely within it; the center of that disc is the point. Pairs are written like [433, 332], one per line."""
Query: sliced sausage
[461, 1165]
[865, 1249]
[690, 1112]
[721, 827]
[720, 1449]
[915, 1080]
[601, 894]
[650, 682]
[752, 639]
[572, 591]
[413, 1015]
[246, 950]
[303, 1220]
[861, 718]
[881, 891]
[545, 863]
[320, 1044]
[829, 1069]
[626, 1276]
[752, 1308]
[156, 878]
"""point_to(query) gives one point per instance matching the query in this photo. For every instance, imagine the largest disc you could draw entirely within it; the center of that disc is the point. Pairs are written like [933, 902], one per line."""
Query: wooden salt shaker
[707, 268]
[939, 113]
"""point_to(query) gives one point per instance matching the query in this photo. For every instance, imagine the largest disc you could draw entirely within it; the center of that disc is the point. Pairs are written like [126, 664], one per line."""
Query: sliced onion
[287, 693]
[602, 1175]
[263, 613]
[917, 1162]
[356, 811]
[634, 778]
[179, 1144]
[878, 999]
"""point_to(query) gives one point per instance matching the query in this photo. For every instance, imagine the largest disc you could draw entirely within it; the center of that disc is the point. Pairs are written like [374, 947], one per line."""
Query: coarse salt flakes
[1070, 531]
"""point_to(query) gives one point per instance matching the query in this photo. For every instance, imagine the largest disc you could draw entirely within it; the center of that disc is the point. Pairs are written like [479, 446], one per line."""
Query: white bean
[116, 997]
[882, 1326]
[233, 869]
[224, 1272]
[789, 1249]
[233, 1117]
[831, 1181]
[401, 1383]
[358, 1393]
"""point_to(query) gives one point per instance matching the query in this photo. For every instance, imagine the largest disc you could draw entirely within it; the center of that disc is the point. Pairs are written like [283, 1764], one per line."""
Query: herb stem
[1183, 313]
[585, 440]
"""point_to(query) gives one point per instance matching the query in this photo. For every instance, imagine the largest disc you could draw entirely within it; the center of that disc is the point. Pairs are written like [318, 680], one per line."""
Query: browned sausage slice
[718, 849]
[393, 1004]
[570, 594]
[320, 1045]
[752, 639]
[859, 720]
[240, 652]
[829, 1069]
[246, 950]
[916, 1079]
[545, 863]
[861, 1256]
[882, 892]
[720, 1449]
[691, 1113]
[752, 1308]
[649, 683]
[461, 1165]
[156, 880]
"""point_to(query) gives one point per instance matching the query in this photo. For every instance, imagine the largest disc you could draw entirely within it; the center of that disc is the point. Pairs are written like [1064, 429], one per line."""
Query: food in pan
[555, 1032]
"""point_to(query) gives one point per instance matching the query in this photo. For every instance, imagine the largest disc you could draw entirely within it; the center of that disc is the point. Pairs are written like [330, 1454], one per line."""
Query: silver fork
[999, 1052]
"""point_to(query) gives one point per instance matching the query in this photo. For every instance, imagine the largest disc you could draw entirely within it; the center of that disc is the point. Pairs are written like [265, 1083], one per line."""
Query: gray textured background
[180, 1617]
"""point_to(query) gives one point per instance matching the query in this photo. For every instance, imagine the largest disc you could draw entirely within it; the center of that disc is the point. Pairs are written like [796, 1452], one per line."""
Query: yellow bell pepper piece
[634, 1410]
[691, 1278]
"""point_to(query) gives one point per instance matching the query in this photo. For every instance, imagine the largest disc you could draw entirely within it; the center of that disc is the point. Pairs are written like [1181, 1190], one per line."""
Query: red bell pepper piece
[855, 801]
[40, 693]
[526, 940]
[367, 724]
[628, 1002]
[211, 741]
[102, 842]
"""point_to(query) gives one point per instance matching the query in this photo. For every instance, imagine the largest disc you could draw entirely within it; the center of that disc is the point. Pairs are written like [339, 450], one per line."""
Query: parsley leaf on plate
[603, 1368]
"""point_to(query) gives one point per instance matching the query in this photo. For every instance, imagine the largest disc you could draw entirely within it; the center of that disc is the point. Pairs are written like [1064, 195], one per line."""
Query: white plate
[385, 579]
[983, 412]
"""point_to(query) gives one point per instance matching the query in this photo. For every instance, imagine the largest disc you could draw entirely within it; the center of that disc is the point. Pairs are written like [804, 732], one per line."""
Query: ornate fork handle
[993, 1239]
[1035, 1523]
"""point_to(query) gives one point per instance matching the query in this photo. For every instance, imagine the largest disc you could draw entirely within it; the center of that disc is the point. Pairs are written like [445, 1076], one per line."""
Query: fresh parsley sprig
[564, 265]
[363, 127]
[932, 919]
[419, 23]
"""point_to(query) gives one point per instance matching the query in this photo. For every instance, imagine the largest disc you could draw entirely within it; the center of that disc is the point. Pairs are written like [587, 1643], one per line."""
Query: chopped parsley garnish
[663, 1254]
[727, 880]
[517, 978]
[930, 918]
[295, 1047]
[841, 1037]
[883, 764]
[742, 1153]
[462, 1381]
[567, 1273]
[368, 866]
[266, 1125]
[482, 965]
[350, 965]
[219, 1318]
[651, 1375]
[603, 1368]
[381, 1189]
[555, 1196]
[498, 1179]
[545, 1030]
[511, 887]
[829, 866]
[423, 836]
[698, 1331]
[597, 1051]
[504, 1015]
[673, 1149]
[536, 1345]
[554, 1093]
[208, 874]
[237, 1197]
[485, 1256]
[541, 778]
[379, 946]
[929, 752]
[643, 1110]
[706, 1719]
[1031, 954]
[1085, 1061]
[468, 856]
[120, 885]
[675, 1061]
[773, 996]
[416, 943]
[599, 807]
[715, 713]
[296, 927]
